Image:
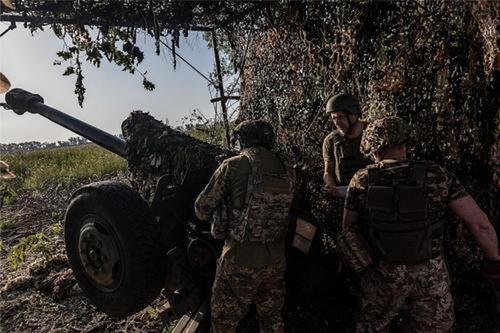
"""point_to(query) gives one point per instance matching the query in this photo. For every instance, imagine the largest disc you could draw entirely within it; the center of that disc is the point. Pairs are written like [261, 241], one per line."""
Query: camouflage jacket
[441, 186]
[345, 155]
[225, 198]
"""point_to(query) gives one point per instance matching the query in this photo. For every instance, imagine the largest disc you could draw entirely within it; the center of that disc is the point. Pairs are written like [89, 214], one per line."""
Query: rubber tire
[138, 237]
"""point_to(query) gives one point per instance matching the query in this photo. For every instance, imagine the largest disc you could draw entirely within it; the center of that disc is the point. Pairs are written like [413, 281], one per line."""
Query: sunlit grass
[35, 168]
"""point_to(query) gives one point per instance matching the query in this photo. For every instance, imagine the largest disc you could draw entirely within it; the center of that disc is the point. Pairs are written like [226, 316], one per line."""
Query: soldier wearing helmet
[249, 197]
[341, 154]
[393, 225]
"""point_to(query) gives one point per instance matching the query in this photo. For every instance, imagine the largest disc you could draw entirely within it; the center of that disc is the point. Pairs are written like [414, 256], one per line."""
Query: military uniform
[345, 155]
[253, 223]
[423, 286]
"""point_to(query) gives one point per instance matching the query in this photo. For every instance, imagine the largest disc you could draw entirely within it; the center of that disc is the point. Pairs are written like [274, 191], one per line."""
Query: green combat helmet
[254, 133]
[384, 133]
[343, 103]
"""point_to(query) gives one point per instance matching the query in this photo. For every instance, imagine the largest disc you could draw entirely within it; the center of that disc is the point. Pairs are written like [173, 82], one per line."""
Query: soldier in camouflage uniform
[249, 196]
[397, 207]
[341, 154]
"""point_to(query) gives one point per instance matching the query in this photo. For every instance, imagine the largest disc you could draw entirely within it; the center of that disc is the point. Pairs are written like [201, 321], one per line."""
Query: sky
[111, 94]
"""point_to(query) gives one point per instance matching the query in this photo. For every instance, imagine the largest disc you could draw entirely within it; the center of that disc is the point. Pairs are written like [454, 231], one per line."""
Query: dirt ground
[41, 294]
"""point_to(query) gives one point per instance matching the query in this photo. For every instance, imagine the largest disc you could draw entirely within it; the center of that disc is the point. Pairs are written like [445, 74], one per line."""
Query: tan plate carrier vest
[268, 199]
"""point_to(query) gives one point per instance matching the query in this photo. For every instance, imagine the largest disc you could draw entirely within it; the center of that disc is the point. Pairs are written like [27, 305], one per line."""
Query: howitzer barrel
[21, 101]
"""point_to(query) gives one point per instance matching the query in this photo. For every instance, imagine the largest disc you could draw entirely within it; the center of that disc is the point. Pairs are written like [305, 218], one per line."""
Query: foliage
[34, 169]
[55, 229]
[93, 30]
[6, 223]
[38, 243]
[204, 129]
[35, 145]
[8, 194]
[151, 313]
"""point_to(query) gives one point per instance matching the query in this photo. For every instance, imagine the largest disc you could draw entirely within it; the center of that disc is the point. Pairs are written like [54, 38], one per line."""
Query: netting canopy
[431, 63]
[434, 63]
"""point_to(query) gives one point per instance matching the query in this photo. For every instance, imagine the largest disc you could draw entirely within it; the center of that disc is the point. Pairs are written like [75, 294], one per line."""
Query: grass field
[36, 168]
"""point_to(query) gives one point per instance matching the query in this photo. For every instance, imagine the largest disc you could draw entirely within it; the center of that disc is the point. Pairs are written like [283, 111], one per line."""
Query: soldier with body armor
[393, 228]
[249, 196]
[341, 154]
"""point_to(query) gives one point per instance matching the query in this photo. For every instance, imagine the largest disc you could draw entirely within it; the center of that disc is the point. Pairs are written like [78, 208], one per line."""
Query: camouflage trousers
[423, 290]
[236, 287]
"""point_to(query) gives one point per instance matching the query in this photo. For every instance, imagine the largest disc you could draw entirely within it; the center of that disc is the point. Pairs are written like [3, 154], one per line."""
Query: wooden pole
[220, 87]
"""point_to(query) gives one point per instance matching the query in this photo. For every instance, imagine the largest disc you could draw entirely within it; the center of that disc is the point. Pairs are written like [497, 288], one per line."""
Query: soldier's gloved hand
[491, 271]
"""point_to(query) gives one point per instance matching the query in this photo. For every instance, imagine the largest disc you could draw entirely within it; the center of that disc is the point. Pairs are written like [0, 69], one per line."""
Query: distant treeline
[35, 145]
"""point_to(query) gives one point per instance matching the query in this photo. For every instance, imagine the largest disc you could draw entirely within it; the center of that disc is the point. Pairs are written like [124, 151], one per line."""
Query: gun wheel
[114, 247]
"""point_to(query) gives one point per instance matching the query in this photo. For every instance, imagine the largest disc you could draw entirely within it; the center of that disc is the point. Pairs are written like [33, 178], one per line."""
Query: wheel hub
[100, 257]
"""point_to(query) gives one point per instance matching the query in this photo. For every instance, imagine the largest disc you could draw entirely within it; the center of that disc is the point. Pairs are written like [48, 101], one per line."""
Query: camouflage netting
[154, 150]
[434, 63]
[433, 66]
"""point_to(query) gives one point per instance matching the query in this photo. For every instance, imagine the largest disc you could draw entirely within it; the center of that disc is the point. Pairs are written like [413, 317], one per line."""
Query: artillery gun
[126, 244]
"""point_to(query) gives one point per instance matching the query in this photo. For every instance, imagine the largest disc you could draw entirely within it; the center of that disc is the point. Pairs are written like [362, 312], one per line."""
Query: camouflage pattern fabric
[268, 200]
[236, 287]
[424, 290]
[353, 250]
[345, 155]
[383, 133]
[254, 132]
[262, 217]
[442, 187]
[247, 271]
[386, 288]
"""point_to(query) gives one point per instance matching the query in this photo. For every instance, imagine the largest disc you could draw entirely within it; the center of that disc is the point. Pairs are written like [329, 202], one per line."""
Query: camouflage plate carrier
[267, 204]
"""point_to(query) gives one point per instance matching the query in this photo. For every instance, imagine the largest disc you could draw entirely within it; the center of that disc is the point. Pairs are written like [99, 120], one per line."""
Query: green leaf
[69, 70]
[148, 85]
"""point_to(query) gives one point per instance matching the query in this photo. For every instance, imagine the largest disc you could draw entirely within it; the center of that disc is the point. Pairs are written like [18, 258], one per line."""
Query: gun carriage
[128, 242]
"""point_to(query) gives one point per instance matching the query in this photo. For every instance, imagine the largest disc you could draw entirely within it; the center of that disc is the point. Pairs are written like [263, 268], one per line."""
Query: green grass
[33, 169]
[6, 223]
